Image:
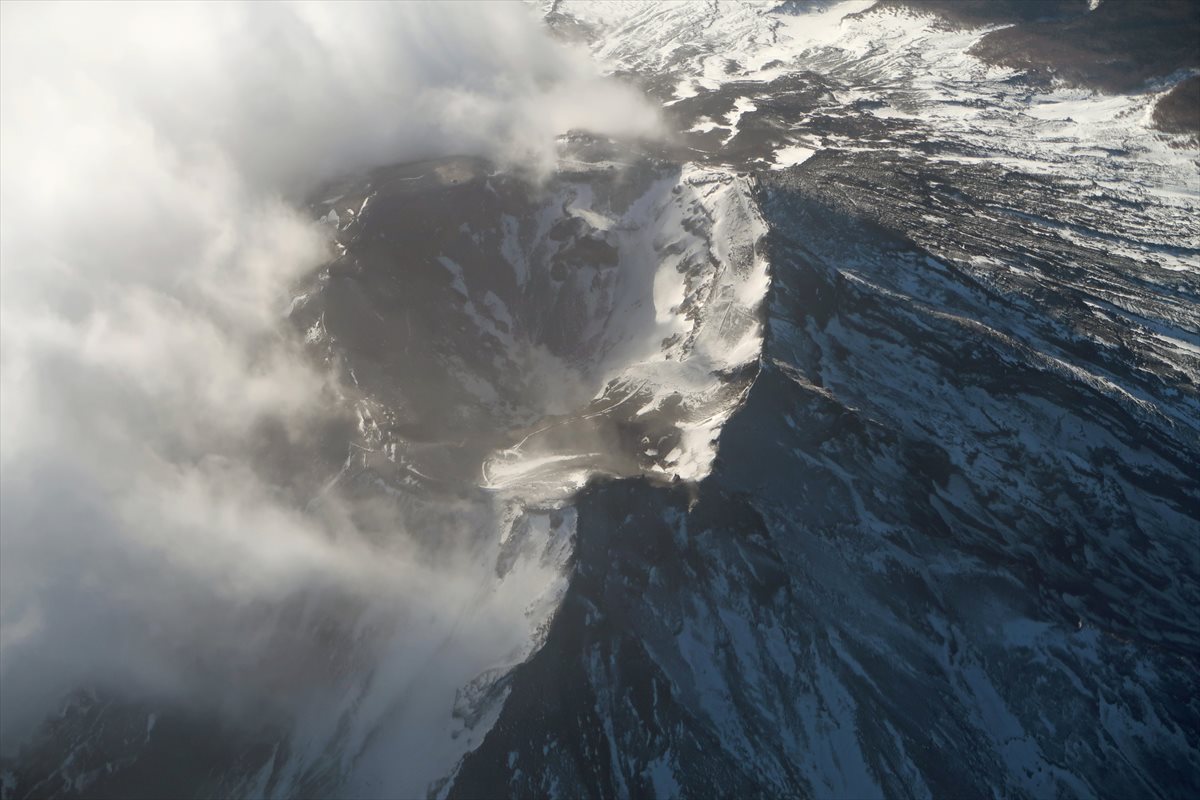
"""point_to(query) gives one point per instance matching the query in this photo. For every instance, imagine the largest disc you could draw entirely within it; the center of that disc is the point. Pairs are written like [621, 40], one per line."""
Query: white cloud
[150, 157]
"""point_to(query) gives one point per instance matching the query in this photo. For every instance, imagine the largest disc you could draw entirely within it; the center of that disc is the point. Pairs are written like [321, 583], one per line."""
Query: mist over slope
[395, 406]
[159, 426]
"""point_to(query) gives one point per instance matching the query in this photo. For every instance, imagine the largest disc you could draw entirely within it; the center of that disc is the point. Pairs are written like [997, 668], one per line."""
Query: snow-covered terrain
[845, 444]
[597, 325]
[950, 546]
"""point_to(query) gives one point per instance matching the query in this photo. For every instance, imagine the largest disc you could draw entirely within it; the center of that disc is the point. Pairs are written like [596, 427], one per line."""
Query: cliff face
[949, 544]
[929, 560]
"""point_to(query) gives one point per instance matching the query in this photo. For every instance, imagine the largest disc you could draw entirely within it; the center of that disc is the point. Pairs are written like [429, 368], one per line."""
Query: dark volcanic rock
[970, 13]
[1116, 48]
[115, 748]
[918, 539]
[1179, 110]
[950, 544]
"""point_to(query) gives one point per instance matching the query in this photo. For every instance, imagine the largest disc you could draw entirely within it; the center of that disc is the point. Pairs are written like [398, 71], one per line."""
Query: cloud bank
[152, 156]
